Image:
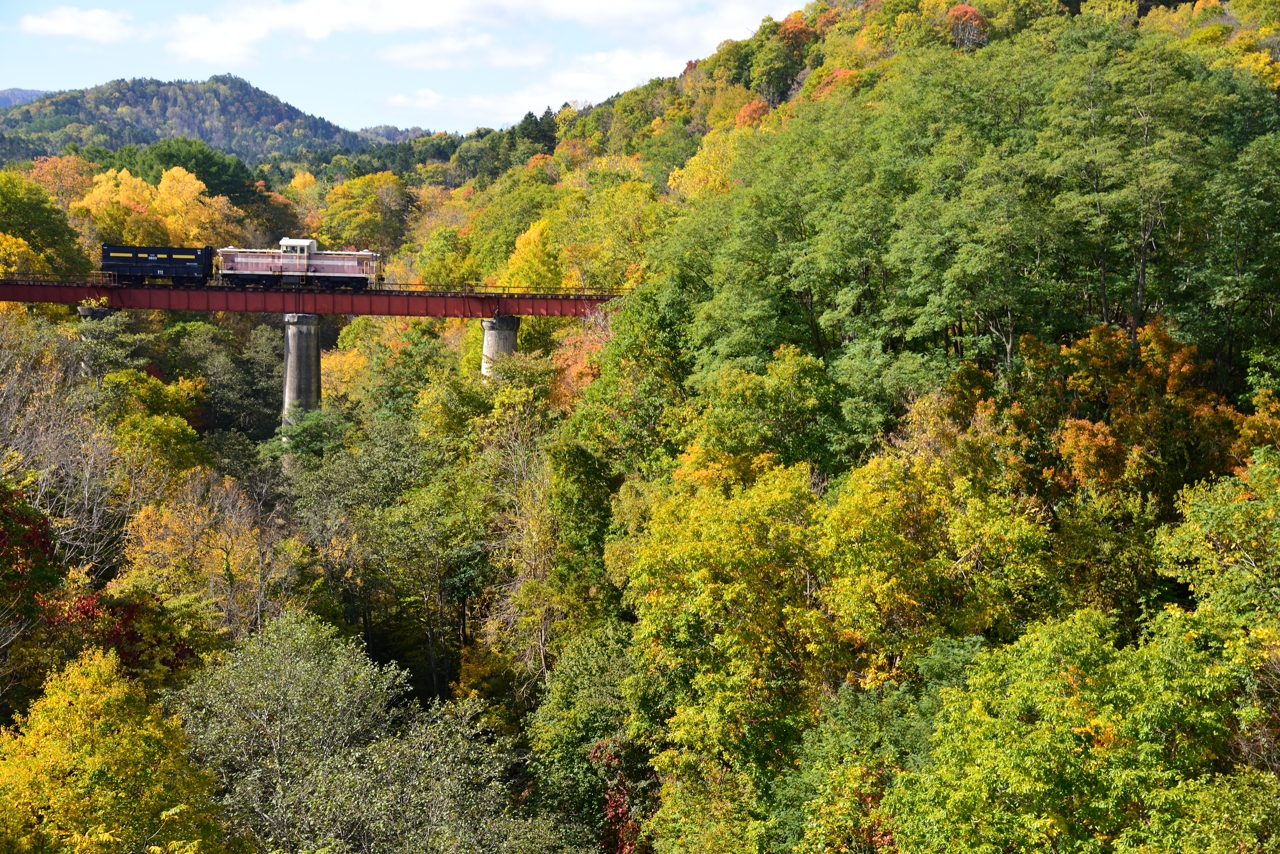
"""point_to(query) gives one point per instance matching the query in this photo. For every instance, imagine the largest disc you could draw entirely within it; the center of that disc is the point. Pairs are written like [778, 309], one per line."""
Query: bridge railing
[482, 289]
[109, 280]
[96, 278]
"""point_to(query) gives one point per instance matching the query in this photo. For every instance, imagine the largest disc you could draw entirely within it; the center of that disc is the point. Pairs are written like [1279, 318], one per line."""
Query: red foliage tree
[837, 77]
[27, 568]
[968, 27]
[621, 830]
[135, 624]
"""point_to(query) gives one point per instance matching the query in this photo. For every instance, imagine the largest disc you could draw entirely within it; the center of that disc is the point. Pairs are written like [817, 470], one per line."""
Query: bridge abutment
[301, 364]
[499, 340]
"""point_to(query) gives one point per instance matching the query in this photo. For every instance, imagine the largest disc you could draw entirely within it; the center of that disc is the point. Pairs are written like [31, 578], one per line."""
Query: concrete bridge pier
[499, 340]
[301, 363]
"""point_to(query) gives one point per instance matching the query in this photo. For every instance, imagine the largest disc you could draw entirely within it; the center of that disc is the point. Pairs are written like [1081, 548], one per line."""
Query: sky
[438, 65]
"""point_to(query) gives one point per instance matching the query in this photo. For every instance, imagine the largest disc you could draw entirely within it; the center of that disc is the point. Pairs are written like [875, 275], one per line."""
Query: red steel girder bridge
[415, 301]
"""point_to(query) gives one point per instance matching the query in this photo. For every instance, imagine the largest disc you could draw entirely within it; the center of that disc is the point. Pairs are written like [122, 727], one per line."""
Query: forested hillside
[922, 493]
[223, 111]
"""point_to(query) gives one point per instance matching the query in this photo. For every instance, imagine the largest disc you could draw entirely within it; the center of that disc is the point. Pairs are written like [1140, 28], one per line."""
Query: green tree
[29, 213]
[504, 212]
[727, 646]
[366, 213]
[852, 755]
[242, 374]
[222, 174]
[1227, 546]
[431, 547]
[793, 411]
[1063, 741]
[28, 574]
[315, 747]
[152, 418]
[1129, 132]
[583, 717]
[438, 787]
[268, 719]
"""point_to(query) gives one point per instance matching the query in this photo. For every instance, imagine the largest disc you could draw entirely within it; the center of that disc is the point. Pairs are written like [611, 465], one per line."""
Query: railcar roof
[310, 245]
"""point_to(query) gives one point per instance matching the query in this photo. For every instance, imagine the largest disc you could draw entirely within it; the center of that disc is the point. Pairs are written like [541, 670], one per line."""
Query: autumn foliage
[795, 32]
[917, 494]
[968, 27]
[28, 570]
[751, 113]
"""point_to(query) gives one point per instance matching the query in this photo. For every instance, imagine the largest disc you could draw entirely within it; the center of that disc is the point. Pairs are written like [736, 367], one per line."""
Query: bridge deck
[401, 303]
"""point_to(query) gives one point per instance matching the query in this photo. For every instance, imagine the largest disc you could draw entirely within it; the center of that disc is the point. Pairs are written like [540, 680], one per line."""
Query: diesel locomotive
[298, 263]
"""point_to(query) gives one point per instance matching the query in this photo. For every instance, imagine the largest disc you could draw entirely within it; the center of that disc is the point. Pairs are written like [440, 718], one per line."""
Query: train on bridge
[296, 278]
[297, 263]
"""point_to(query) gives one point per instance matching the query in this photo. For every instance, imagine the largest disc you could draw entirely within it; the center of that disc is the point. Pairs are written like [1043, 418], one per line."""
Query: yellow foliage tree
[602, 238]
[208, 543]
[932, 538]
[128, 210]
[707, 172]
[307, 195]
[535, 265]
[728, 629]
[369, 212]
[119, 206]
[17, 258]
[95, 769]
[192, 217]
[342, 372]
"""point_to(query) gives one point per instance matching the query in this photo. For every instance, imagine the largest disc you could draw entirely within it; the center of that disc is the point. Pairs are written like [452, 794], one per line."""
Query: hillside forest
[921, 494]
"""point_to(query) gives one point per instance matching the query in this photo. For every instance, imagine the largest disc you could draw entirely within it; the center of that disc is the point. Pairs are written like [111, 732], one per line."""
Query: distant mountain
[392, 134]
[13, 97]
[225, 111]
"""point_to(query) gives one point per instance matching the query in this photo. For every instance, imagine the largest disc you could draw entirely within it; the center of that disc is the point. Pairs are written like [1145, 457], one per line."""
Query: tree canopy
[917, 491]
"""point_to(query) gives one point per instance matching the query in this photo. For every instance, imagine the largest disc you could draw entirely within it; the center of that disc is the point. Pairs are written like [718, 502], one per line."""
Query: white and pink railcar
[298, 263]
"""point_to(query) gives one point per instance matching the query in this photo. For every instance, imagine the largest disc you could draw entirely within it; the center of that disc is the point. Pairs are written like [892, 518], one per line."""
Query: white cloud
[191, 37]
[98, 25]
[423, 99]
[448, 52]
[592, 78]
[463, 52]
[240, 26]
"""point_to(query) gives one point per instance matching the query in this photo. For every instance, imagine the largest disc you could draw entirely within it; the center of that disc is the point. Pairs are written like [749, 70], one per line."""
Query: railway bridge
[499, 309]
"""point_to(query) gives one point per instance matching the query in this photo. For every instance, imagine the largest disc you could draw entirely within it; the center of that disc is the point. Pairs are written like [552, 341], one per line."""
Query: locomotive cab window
[297, 246]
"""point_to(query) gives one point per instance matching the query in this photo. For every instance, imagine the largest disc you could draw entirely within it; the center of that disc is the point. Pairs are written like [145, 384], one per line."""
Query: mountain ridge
[226, 112]
[13, 97]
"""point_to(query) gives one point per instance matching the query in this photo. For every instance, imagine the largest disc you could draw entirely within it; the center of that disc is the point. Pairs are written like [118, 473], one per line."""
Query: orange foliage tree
[67, 178]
